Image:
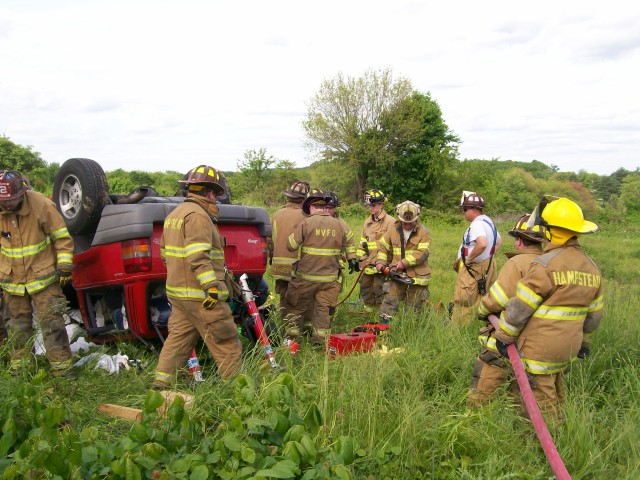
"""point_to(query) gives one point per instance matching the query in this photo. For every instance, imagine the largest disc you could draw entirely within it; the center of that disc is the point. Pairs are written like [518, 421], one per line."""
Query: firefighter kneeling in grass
[491, 370]
[558, 304]
[320, 240]
[192, 249]
[407, 245]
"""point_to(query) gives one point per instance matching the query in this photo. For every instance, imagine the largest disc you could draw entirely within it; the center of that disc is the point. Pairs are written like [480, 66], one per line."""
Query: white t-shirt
[482, 226]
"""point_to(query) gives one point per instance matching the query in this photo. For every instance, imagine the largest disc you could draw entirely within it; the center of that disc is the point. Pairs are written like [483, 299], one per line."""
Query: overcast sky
[165, 85]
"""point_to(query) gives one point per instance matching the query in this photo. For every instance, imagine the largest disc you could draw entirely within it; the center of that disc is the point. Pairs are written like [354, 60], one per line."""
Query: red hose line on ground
[555, 461]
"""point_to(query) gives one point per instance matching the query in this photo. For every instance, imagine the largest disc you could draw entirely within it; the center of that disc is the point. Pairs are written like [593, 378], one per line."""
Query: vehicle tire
[80, 192]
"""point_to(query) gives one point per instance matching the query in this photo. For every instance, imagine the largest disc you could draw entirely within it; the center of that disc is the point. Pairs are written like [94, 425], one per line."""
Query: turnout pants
[371, 289]
[414, 296]
[50, 304]
[188, 322]
[549, 391]
[465, 295]
[315, 299]
[281, 290]
[489, 374]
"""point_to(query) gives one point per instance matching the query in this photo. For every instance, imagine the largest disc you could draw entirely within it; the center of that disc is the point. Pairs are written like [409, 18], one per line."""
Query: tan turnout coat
[372, 231]
[283, 223]
[557, 307]
[416, 251]
[31, 251]
[192, 249]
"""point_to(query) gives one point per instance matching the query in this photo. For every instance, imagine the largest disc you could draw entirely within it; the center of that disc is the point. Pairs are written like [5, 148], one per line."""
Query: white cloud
[160, 85]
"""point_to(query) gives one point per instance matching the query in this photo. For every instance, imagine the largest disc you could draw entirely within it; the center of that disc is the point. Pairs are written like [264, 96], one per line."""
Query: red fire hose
[534, 412]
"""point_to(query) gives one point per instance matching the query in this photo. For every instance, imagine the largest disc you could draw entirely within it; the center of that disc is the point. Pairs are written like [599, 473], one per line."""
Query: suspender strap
[492, 251]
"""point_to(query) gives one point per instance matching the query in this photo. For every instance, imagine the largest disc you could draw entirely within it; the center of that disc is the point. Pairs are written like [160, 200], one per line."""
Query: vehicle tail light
[265, 250]
[136, 255]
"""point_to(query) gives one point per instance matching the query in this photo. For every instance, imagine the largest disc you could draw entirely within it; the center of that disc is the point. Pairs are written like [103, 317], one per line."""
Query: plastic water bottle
[194, 367]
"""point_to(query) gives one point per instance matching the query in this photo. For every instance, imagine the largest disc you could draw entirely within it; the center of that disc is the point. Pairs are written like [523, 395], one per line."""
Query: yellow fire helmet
[407, 211]
[565, 213]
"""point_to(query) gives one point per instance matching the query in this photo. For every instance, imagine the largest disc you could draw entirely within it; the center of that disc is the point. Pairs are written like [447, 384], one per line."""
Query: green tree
[261, 178]
[345, 121]
[255, 169]
[630, 193]
[420, 149]
[27, 161]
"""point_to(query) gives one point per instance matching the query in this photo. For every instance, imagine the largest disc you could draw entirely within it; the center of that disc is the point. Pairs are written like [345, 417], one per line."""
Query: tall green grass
[406, 410]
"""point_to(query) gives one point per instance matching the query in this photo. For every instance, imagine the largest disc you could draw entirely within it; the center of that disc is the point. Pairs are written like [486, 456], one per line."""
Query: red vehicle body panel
[102, 266]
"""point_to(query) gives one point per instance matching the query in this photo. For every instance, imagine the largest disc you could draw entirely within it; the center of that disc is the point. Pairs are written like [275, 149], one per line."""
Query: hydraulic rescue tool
[249, 302]
[392, 274]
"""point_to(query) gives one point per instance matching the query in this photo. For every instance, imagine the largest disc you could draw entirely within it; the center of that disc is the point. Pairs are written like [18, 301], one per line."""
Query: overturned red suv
[118, 275]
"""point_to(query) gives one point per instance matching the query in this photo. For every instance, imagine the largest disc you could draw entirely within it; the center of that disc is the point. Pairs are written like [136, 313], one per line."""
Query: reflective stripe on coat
[192, 249]
[283, 223]
[35, 243]
[558, 305]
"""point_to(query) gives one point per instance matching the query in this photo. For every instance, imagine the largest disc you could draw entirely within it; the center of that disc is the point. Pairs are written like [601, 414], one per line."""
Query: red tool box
[376, 328]
[345, 343]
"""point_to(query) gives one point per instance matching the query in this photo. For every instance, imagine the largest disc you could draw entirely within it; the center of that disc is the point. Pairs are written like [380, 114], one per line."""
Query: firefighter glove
[502, 348]
[64, 277]
[353, 266]
[212, 298]
[365, 248]
[583, 353]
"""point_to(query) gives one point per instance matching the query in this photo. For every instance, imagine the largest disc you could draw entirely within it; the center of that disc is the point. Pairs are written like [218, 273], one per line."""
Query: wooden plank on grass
[130, 413]
[120, 411]
[170, 395]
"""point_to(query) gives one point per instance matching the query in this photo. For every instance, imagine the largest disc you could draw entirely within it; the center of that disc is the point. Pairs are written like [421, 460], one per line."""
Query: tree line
[377, 131]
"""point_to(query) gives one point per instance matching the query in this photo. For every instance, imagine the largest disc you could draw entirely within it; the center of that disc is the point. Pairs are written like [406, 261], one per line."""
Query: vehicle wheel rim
[70, 196]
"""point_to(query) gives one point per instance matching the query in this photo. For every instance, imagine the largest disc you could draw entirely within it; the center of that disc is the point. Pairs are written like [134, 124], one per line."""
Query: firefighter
[407, 245]
[347, 257]
[283, 223]
[475, 265]
[35, 263]
[350, 253]
[320, 240]
[192, 250]
[558, 304]
[375, 226]
[490, 370]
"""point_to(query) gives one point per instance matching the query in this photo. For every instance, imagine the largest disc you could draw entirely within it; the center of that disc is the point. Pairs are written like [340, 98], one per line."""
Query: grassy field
[405, 411]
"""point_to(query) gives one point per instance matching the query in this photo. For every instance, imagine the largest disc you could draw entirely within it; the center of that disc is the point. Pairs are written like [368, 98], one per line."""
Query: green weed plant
[395, 413]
